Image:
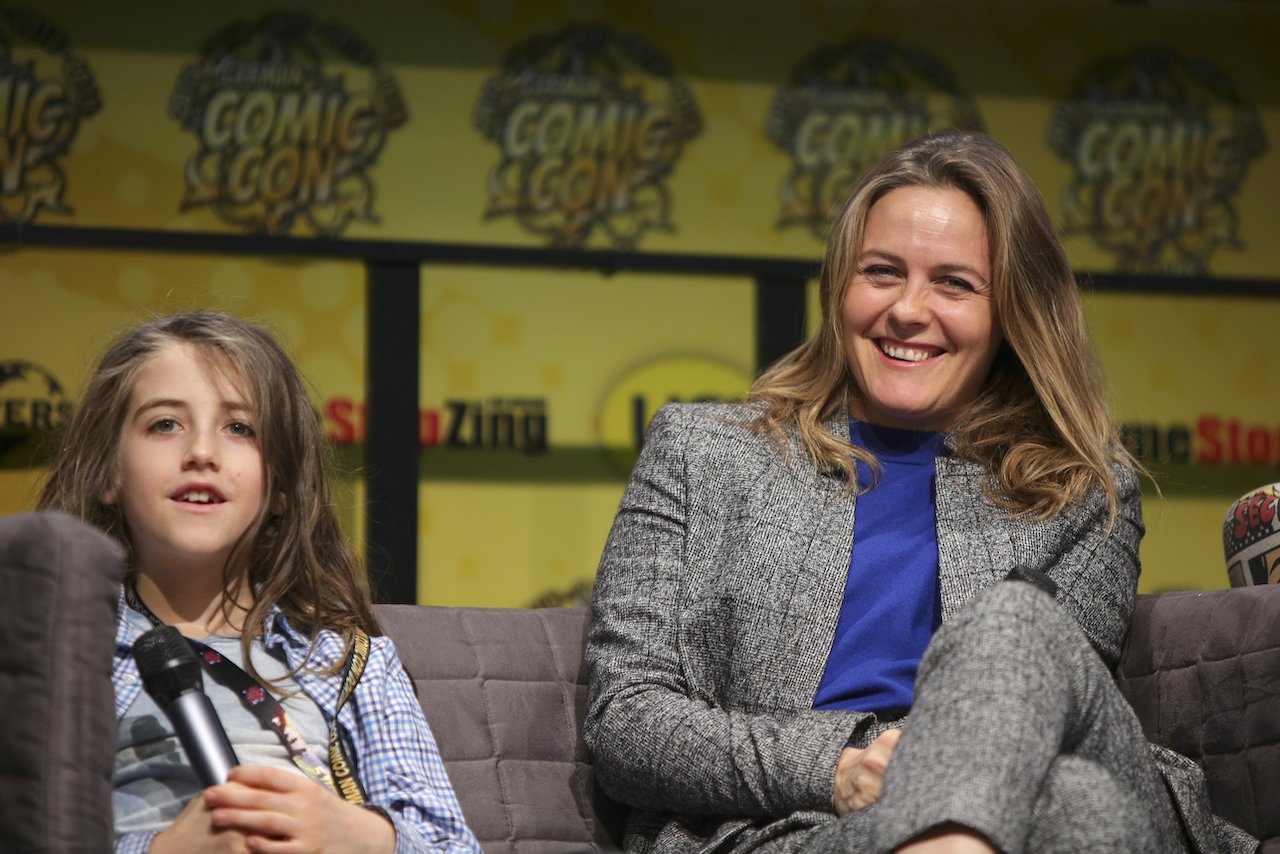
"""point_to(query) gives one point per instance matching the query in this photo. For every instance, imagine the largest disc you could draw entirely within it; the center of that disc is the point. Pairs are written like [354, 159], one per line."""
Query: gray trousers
[1019, 733]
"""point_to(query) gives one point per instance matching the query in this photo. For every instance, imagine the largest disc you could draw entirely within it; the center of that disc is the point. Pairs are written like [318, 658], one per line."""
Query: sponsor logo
[33, 405]
[629, 404]
[844, 108]
[1212, 440]
[496, 423]
[625, 410]
[1160, 145]
[46, 91]
[590, 124]
[283, 139]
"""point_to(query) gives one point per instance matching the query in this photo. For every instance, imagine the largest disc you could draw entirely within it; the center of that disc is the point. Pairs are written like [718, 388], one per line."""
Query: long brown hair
[298, 559]
[1041, 424]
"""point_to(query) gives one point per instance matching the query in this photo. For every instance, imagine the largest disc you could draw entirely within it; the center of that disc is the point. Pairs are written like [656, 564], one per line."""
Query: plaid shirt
[393, 749]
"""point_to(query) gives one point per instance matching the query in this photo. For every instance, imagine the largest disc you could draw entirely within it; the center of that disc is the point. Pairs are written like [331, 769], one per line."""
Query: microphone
[171, 675]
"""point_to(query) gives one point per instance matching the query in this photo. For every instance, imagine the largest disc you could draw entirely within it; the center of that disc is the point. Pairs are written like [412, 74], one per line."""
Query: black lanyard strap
[340, 774]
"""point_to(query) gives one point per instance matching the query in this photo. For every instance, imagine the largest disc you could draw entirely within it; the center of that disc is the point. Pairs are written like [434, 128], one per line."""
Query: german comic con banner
[730, 136]
[466, 123]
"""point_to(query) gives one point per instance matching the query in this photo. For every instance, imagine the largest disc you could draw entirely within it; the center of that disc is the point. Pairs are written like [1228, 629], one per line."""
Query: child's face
[191, 473]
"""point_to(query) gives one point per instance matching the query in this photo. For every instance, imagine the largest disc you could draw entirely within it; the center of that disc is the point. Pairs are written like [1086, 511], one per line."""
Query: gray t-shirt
[153, 781]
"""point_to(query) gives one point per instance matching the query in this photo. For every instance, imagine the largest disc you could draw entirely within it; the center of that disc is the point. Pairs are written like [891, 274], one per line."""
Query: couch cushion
[1202, 670]
[504, 692]
[59, 582]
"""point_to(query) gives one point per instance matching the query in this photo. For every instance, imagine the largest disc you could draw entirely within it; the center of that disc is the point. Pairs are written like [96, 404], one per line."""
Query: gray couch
[503, 691]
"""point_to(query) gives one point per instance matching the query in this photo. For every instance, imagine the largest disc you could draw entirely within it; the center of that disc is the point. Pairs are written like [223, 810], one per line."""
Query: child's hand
[285, 813]
[192, 832]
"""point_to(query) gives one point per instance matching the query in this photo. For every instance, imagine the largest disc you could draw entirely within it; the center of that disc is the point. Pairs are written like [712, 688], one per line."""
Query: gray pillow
[1202, 671]
[59, 583]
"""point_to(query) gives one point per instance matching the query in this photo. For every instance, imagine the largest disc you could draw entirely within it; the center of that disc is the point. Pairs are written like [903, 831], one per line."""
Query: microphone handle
[202, 737]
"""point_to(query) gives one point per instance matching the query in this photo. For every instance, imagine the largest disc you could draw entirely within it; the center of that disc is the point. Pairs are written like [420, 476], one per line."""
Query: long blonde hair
[297, 557]
[1040, 424]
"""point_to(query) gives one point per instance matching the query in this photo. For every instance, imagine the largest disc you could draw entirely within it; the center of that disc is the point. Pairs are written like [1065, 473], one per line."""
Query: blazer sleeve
[657, 741]
[1096, 565]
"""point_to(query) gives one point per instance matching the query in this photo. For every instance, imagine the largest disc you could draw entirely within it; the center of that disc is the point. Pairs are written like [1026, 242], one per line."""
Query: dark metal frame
[393, 336]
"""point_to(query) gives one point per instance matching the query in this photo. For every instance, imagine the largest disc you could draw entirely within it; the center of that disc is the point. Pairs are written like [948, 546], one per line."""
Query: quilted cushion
[503, 691]
[59, 582]
[1202, 670]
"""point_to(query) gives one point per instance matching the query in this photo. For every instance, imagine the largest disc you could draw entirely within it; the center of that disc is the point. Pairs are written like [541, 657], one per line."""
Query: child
[197, 448]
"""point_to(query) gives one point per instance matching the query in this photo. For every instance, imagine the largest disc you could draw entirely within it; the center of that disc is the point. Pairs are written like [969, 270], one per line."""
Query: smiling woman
[964, 216]
[923, 512]
[920, 324]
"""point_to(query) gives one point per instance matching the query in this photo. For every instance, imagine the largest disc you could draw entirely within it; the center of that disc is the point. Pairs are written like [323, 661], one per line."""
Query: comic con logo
[844, 108]
[33, 405]
[45, 92]
[1160, 145]
[282, 139]
[590, 124]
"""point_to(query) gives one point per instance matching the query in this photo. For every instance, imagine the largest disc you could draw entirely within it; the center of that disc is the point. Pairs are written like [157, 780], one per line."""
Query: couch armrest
[59, 582]
[1202, 671]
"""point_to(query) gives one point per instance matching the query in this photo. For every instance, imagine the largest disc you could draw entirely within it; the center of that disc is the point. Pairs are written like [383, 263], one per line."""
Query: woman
[777, 570]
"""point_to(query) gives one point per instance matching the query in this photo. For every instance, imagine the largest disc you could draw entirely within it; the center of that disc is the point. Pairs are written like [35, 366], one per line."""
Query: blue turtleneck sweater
[891, 606]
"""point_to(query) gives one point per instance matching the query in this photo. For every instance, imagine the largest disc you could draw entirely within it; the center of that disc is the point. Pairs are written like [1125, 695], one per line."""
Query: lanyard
[339, 774]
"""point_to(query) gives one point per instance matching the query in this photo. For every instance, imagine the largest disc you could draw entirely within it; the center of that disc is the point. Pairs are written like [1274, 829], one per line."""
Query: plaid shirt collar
[329, 648]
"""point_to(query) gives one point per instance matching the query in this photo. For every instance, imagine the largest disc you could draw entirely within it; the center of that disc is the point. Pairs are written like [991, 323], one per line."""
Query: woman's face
[920, 324]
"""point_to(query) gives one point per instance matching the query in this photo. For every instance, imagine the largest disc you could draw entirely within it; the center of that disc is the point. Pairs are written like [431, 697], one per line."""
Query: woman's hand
[860, 772]
[280, 812]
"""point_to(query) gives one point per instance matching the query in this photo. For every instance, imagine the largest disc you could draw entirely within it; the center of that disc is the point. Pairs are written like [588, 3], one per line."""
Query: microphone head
[167, 664]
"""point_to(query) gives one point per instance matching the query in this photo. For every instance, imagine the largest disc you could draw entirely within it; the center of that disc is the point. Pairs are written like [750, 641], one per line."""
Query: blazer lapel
[824, 510]
[769, 598]
[975, 549]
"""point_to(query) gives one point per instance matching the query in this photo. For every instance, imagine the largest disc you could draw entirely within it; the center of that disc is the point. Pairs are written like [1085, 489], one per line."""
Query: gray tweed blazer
[716, 602]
